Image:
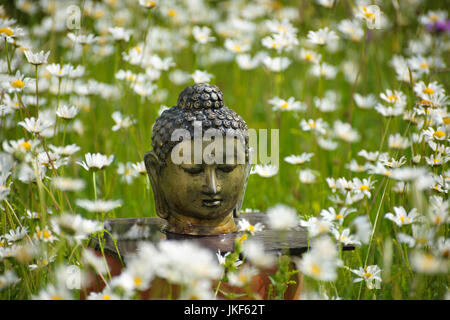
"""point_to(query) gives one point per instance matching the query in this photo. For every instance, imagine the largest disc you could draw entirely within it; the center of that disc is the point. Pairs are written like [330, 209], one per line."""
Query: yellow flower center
[426, 102]
[436, 161]
[237, 48]
[6, 31]
[47, 234]
[18, 84]
[285, 105]
[172, 13]
[424, 65]
[243, 278]
[308, 56]
[437, 220]
[369, 15]
[138, 49]
[422, 240]
[282, 29]
[439, 134]
[26, 145]
[428, 90]
[323, 228]
[339, 216]
[312, 124]
[316, 270]
[402, 219]
[428, 261]
[364, 187]
[137, 281]
[106, 297]
[355, 37]
[393, 98]
[98, 14]
[447, 120]
[242, 238]
[251, 227]
[367, 274]
[57, 297]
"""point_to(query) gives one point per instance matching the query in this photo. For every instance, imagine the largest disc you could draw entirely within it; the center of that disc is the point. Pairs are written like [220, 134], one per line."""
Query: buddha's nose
[211, 185]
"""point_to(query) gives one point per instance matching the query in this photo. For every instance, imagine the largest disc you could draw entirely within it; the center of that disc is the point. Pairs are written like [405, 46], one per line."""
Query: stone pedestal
[129, 231]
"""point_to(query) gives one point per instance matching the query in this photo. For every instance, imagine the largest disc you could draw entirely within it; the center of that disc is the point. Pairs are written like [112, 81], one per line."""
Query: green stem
[7, 57]
[95, 185]
[373, 233]
[64, 133]
[57, 105]
[218, 286]
[37, 92]
[361, 63]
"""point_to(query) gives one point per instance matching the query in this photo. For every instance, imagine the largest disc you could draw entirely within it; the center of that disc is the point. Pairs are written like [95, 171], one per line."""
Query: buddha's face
[206, 190]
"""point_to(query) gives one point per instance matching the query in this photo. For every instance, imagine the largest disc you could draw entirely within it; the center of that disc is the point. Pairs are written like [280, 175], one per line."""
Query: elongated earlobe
[153, 166]
[237, 209]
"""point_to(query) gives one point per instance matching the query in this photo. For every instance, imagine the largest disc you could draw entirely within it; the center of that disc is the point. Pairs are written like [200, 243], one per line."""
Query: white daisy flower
[282, 217]
[309, 56]
[120, 33]
[59, 71]
[96, 161]
[401, 217]
[244, 225]
[299, 159]
[34, 125]
[287, 105]
[121, 122]
[37, 58]
[322, 36]
[265, 170]
[370, 275]
[67, 113]
[202, 34]
[236, 46]
[99, 205]
[276, 64]
[201, 76]
[365, 102]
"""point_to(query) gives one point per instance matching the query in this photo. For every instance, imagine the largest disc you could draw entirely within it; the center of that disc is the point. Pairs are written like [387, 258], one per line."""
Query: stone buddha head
[199, 164]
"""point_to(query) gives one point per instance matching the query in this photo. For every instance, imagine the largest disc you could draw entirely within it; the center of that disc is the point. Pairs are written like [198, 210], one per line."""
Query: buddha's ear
[237, 209]
[153, 166]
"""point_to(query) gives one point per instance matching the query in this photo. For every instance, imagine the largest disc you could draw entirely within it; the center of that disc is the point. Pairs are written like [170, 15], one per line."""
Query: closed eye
[226, 168]
[193, 170]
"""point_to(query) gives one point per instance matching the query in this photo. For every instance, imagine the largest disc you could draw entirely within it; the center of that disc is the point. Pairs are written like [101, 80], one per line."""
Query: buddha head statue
[199, 164]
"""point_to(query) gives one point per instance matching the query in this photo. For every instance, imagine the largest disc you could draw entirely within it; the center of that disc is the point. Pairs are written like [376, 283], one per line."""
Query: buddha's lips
[212, 202]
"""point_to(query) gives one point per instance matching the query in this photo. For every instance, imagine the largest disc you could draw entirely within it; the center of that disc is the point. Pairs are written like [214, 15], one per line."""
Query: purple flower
[439, 26]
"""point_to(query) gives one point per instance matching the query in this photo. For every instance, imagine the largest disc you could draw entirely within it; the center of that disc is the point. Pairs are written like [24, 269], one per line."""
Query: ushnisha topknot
[200, 102]
[201, 96]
